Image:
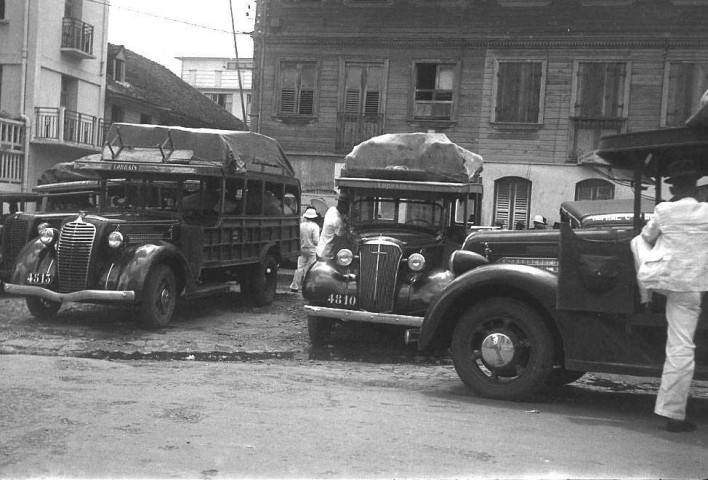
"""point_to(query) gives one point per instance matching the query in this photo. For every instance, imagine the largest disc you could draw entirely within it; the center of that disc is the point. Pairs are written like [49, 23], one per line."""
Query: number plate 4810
[342, 300]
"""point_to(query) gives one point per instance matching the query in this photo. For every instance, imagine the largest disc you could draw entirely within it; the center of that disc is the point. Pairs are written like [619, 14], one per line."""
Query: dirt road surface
[230, 390]
[69, 417]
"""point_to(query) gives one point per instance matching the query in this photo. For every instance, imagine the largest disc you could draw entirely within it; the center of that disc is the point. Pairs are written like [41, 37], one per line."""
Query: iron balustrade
[69, 126]
[77, 35]
[12, 150]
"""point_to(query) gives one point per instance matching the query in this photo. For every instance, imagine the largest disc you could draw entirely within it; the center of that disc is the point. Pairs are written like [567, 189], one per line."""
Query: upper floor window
[231, 66]
[594, 189]
[72, 9]
[224, 100]
[519, 92]
[297, 88]
[116, 69]
[363, 88]
[601, 89]
[434, 91]
[684, 87]
[512, 198]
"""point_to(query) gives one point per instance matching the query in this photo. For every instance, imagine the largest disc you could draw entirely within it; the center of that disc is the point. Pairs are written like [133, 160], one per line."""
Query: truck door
[596, 271]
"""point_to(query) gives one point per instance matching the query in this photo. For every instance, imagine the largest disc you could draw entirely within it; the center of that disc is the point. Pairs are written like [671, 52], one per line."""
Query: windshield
[390, 211]
[144, 194]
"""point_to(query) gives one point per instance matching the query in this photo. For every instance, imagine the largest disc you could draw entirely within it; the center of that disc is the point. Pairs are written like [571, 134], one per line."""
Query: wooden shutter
[503, 204]
[512, 202]
[522, 190]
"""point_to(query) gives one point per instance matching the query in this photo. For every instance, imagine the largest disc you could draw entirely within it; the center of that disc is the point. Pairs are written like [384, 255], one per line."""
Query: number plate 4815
[39, 278]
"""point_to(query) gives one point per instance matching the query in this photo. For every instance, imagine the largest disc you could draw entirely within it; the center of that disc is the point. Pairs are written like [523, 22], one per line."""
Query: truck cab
[413, 198]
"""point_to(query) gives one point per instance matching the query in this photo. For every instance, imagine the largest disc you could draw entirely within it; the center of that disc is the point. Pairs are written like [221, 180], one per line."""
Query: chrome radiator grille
[16, 236]
[379, 263]
[74, 255]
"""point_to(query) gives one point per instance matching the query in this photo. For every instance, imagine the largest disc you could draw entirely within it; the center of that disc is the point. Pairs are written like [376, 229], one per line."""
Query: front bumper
[112, 296]
[360, 316]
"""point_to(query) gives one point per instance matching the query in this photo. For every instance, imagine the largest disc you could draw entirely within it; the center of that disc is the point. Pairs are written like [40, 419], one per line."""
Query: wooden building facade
[531, 85]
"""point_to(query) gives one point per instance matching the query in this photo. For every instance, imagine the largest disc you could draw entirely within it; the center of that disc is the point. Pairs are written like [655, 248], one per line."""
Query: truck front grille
[74, 255]
[16, 237]
[379, 264]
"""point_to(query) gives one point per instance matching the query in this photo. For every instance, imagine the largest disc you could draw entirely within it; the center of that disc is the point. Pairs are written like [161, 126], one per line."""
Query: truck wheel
[319, 330]
[159, 297]
[502, 349]
[561, 376]
[264, 280]
[42, 308]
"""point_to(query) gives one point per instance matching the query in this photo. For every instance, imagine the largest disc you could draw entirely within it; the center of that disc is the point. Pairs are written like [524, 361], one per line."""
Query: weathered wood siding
[644, 33]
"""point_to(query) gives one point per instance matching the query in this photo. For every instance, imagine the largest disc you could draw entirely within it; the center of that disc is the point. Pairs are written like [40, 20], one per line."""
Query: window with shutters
[594, 189]
[435, 90]
[519, 91]
[600, 93]
[600, 89]
[683, 89]
[360, 115]
[512, 197]
[297, 88]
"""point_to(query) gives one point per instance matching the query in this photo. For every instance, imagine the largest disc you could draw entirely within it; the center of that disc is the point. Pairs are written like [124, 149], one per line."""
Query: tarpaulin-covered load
[413, 157]
[232, 150]
[66, 172]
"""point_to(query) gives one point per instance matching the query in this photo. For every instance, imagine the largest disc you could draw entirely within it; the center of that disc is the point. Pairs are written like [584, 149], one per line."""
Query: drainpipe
[103, 80]
[23, 86]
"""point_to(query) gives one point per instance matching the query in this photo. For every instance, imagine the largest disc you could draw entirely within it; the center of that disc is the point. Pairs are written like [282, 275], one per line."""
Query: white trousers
[682, 312]
[303, 261]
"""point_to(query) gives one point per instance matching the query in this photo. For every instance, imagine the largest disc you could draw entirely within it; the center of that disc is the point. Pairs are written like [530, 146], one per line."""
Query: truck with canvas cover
[180, 212]
[412, 198]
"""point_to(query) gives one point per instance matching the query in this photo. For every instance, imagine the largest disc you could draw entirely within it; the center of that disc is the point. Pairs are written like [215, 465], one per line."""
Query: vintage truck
[179, 211]
[413, 198]
[528, 310]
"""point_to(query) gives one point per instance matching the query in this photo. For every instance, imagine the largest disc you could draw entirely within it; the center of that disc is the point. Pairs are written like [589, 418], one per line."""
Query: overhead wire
[175, 20]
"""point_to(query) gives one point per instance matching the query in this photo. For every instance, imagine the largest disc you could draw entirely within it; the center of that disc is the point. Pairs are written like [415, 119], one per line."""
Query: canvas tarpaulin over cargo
[414, 157]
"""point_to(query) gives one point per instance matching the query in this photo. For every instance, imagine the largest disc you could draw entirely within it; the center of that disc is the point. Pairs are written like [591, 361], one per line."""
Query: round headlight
[344, 257]
[41, 227]
[416, 262]
[48, 235]
[115, 239]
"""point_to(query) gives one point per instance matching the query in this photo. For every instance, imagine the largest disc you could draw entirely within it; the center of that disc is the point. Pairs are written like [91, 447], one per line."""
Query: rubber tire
[319, 329]
[536, 343]
[561, 376]
[263, 282]
[42, 308]
[159, 298]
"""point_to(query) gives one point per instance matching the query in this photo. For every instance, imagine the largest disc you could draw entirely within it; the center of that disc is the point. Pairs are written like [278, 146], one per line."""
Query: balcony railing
[587, 132]
[77, 37]
[12, 153]
[353, 128]
[68, 126]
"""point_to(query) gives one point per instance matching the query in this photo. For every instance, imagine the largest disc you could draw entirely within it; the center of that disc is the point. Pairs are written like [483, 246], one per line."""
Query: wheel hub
[498, 350]
[164, 298]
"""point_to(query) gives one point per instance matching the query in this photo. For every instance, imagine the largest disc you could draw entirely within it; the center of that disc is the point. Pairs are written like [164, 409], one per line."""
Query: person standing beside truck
[334, 227]
[676, 265]
[309, 237]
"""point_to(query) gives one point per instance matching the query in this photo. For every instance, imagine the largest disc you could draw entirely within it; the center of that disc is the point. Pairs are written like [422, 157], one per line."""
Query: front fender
[130, 270]
[35, 257]
[532, 284]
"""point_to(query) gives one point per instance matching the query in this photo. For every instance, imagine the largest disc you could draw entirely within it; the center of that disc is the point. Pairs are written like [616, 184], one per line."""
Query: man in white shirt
[334, 227]
[677, 266]
[309, 237]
